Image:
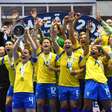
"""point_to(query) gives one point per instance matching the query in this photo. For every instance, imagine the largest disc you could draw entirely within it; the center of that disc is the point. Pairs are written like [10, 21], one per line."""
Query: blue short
[10, 91]
[23, 100]
[95, 90]
[110, 85]
[46, 91]
[68, 93]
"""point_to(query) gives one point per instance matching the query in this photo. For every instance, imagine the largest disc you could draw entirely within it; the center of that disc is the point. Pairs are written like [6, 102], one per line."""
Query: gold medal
[22, 78]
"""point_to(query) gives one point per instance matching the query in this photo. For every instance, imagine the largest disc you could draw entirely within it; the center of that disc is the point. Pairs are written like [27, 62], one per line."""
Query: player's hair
[47, 38]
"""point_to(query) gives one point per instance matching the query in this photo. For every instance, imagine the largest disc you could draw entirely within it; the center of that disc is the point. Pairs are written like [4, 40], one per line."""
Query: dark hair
[58, 27]
[47, 38]
[7, 23]
[30, 51]
[33, 9]
[15, 11]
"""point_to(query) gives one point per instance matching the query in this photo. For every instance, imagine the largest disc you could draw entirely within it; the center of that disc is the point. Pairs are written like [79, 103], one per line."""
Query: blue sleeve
[33, 57]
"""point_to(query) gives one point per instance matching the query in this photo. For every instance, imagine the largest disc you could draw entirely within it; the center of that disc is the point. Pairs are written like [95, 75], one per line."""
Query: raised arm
[16, 44]
[62, 32]
[55, 44]
[37, 36]
[69, 22]
[34, 47]
[106, 27]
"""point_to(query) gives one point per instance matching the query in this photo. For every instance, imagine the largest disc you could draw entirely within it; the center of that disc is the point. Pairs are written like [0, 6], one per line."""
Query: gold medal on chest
[22, 79]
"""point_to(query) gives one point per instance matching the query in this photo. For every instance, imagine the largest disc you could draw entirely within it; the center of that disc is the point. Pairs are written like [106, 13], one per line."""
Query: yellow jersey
[44, 75]
[10, 67]
[78, 51]
[24, 77]
[38, 52]
[108, 72]
[95, 70]
[65, 78]
[105, 39]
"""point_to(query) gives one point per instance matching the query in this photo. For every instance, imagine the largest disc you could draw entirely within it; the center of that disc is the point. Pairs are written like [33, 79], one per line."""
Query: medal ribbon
[70, 61]
[47, 60]
[22, 69]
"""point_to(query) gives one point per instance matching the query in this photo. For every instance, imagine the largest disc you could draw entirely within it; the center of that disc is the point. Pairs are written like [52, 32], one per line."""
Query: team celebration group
[64, 72]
